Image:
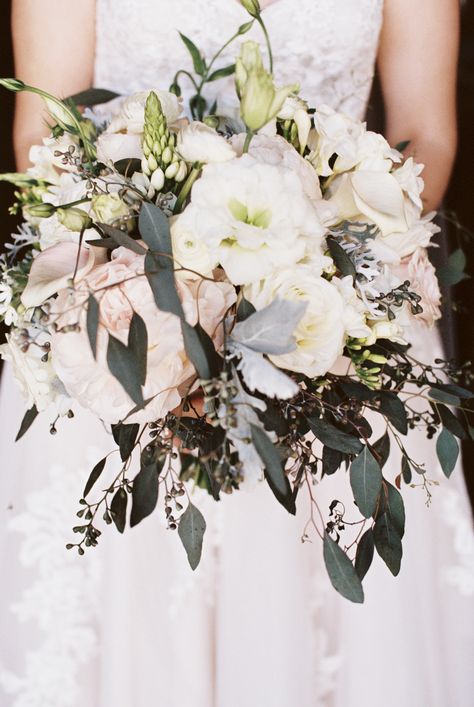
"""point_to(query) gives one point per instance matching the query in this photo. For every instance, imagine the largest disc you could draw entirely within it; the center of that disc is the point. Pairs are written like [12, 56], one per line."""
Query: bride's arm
[53, 44]
[417, 63]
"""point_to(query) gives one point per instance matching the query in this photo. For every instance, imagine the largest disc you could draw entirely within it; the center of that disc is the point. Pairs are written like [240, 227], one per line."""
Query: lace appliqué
[61, 600]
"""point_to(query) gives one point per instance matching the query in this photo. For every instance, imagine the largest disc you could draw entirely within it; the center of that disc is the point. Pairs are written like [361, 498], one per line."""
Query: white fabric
[129, 624]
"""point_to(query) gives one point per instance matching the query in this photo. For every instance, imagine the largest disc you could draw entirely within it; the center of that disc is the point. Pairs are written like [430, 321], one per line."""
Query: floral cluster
[180, 279]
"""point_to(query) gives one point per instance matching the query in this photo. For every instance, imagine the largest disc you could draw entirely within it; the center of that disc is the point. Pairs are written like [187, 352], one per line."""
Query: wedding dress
[129, 624]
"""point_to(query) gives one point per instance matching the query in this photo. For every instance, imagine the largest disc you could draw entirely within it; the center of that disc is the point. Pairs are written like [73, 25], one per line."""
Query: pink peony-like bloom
[418, 269]
[89, 380]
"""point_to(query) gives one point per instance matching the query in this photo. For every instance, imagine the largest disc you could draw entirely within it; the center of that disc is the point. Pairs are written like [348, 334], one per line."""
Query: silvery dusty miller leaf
[271, 329]
[260, 374]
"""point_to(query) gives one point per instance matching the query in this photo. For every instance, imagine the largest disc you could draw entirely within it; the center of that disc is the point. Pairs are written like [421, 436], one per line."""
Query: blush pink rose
[418, 269]
[89, 380]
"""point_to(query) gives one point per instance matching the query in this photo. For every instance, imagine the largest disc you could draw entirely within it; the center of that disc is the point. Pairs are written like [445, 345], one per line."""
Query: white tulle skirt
[130, 625]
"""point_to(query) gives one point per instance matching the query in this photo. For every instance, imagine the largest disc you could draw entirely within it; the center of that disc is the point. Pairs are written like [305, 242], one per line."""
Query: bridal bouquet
[230, 295]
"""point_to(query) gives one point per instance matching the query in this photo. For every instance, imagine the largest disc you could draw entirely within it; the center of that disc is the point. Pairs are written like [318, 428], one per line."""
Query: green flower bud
[74, 219]
[41, 210]
[252, 7]
[12, 84]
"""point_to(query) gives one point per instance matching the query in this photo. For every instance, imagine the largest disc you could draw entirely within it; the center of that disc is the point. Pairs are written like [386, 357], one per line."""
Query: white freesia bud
[198, 142]
[109, 208]
[74, 219]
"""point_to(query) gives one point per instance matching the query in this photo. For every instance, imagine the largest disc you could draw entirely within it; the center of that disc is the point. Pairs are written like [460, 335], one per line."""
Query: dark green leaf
[342, 261]
[145, 492]
[388, 543]
[103, 243]
[447, 450]
[393, 408]
[155, 230]
[402, 146]
[442, 396]
[274, 472]
[245, 309]
[357, 390]
[122, 239]
[341, 571]
[406, 470]
[191, 529]
[93, 97]
[28, 419]
[455, 390]
[334, 438]
[451, 422]
[163, 286]
[128, 166]
[198, 61]
[118, 509]
[125, 436]
[125, 368]
[382, 448]
[391, 503]
[332, 460]
[201, 351]
[366, 482]
[364, 554]
[94, 475]
[454, 271]
[92, 322]
[222, 73]
[138, 344]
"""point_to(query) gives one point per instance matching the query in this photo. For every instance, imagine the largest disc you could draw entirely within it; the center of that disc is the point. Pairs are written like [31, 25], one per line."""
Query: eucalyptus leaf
[138, 344]
[118, 509]
[364, 554]
[122, 239]
[443, 396]
[382, 448]
[393, 408]
[450, 421]
[198, 61]
[366, 482]
[406, 470]
[94, 476]
[271, 329]
[388, 543]
[92, 322]
[341, 571]
[334, 438]
[394, 507]
[163, 286]
[154, 228]
[191, 529]
[125, 436]
[126, 369]
[342, 261]
[28, 419]
[244, 309]
[453, 271]
[201, 351]
[447, 449]
[145, 492]
[332, 460]
[276, 477]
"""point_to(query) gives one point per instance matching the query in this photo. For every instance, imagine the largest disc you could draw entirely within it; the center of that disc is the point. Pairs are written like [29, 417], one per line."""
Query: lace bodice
[329, 46]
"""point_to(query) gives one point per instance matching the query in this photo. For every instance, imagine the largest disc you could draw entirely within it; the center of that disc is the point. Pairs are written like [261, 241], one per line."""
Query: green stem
[248, 140]
[267, 40]
[183, 194]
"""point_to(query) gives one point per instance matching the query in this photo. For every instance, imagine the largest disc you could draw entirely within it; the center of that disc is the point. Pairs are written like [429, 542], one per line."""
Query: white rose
[36, 378]
[109, 208]
[198, 142]
[131, 117]
[112, 147]
[395, 246]
[188, 250]
[320, 335]
[252, 217]
[354, 310]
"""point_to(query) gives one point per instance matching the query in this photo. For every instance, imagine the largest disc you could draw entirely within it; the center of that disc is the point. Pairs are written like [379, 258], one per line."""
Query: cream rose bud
[320, 335]
[198, 142]
[418, 269]
[188, 250]
[109, 208]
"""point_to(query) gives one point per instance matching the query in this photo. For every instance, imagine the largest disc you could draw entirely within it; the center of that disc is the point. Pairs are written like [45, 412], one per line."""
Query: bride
[257, 624]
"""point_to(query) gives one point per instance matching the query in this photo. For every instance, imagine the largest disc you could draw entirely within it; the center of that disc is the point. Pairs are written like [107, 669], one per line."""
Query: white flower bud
[158, 179]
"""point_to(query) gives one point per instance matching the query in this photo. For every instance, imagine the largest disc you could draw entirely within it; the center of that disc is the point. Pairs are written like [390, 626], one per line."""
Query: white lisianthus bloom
[373, 196]
[395, 246]
[408, 176]
[37, 380]
[294, 108]
[109, 208]
[47, 158]
[354, 315]
[355, 147]
[321, 333]
[188, 250]
[131, 117]
[198, 142]
[252, 217]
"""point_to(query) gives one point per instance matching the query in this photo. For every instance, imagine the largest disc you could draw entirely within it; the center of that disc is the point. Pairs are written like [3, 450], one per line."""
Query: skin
[54, 49]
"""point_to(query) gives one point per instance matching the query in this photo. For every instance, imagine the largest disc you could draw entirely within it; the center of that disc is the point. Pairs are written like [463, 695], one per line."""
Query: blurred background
[459, 204]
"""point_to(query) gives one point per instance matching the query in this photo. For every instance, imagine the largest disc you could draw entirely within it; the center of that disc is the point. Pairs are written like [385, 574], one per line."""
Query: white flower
[408, 176]
[253, 217]
[418, 269]
[47, 159]
[188, 250]
[131, 117]
[109, 208]
[348, 139]
[374, 196]
[198, 142]
[395, 246]
[384, 329]
[7, 312]
[36, 378]
[354, 311]
[112, 147]
[321, 333]
[294, 108]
